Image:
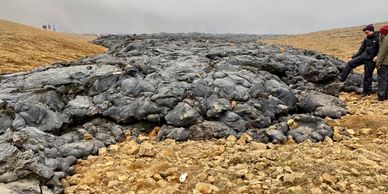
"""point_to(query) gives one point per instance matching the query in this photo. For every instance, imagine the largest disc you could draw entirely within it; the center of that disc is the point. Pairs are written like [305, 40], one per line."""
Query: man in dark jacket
[365, 55]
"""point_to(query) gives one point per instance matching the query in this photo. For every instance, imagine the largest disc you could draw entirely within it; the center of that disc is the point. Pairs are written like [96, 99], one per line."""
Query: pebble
[316, 191]
[257, 146]
[102, 151]
[366, 131]
[211, 179]
[122, 178]
[244, 139]
[231, 138]
[157, 177]
[329, 178]
[206, 188]
[88, 136]
[295, 189]
[162, 183]
[341, 186]
[147, 150]
[113, 183]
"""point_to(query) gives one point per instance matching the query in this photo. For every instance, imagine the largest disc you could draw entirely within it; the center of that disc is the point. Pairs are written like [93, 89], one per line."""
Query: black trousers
[369, 67]
[382, 73]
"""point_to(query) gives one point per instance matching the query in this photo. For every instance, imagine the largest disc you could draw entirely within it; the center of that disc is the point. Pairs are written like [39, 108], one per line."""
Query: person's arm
[373, 49]
[361, 50]
[383, 52]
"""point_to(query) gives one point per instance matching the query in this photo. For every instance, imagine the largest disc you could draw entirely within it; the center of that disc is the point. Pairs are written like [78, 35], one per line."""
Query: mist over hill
[216, 16]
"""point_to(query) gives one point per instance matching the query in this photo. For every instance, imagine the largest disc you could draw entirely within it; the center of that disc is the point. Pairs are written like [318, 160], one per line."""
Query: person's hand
[348, 59]
[375, 59]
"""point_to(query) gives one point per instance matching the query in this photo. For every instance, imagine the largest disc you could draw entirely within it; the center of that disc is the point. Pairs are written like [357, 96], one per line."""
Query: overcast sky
[213, 16]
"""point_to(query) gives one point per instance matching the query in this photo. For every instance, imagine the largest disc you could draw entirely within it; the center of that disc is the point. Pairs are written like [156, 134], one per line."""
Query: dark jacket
[369, 48]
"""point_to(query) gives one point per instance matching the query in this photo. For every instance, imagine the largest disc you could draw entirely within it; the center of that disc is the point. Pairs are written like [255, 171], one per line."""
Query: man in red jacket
[382, 65]
[365, 55]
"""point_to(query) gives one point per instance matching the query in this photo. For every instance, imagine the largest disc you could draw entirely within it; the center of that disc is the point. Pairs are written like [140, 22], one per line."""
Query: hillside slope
[341, 43]
[23, 47]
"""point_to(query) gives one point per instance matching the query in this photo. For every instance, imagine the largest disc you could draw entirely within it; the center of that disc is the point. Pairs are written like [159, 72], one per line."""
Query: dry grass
[339, 43]
[23, 47]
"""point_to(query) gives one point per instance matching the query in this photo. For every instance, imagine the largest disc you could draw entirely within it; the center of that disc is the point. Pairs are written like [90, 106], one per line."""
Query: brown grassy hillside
[339, 43]
[24, 47]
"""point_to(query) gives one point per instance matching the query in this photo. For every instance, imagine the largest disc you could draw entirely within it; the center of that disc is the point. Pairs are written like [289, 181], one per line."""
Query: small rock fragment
[316, 190]
[206, 188]
[244, 139]
[292, 124]
[366, 131]
[102, 151]
[88, 136]
[183, 177]
[329, 178]
[231, 138]
[147, 150]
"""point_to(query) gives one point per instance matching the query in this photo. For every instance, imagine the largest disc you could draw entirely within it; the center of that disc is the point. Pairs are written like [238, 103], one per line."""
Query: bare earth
[354, 161]
[23, 47]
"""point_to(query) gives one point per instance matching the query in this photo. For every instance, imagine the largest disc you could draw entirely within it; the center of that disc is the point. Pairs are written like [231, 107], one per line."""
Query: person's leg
[386, 81]
[382, 73]
[369, 67]
[349, 67]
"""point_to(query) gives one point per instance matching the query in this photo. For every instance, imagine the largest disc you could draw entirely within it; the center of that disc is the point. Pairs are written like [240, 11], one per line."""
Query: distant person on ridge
[365, 55]
[382, 65]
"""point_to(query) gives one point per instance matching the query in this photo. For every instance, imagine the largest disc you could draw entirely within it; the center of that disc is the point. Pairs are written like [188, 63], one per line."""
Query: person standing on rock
[382, 65]
[368, 50]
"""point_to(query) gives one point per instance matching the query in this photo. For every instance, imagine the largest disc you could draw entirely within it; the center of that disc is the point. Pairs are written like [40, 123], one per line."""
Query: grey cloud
[213, 16]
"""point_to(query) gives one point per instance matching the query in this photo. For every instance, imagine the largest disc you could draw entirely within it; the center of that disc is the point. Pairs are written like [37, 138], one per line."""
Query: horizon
[176, 16]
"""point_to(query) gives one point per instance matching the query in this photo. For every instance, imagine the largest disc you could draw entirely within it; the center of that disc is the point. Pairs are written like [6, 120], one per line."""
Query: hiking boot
[380, 98]
[341, 79]
[364, 94]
